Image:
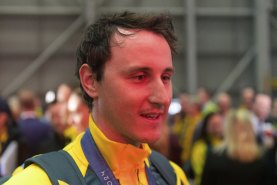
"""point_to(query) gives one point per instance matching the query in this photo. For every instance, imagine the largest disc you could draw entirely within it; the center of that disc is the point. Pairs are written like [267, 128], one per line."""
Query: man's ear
[88, 80]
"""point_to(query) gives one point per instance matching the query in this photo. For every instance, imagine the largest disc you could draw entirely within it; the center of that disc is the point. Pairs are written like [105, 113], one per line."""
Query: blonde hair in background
[239, 137]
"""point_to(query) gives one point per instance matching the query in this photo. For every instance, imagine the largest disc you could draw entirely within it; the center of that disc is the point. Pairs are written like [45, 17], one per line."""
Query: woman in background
[210, 137]
[239, 160]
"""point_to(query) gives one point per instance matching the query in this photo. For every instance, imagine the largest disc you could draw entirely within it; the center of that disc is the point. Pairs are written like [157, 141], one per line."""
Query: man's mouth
[152, 116]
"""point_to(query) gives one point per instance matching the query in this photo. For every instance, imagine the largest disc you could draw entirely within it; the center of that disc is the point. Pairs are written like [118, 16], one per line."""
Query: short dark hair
[95, 47]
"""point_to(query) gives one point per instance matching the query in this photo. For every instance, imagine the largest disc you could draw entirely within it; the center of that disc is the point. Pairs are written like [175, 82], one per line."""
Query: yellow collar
[120, 157]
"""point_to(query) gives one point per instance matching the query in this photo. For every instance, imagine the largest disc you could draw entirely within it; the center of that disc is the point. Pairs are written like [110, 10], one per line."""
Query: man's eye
[166, 78]
[139, 77]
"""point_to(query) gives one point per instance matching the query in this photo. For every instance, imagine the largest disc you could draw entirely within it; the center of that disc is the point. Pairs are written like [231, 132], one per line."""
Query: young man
[124, 64]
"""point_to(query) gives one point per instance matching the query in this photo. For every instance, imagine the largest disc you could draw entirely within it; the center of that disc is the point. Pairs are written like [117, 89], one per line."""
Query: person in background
[239, 160]
[204, 99]
[33, 129]
[39, 112]
[210, 136]
[192, 122]
[58, 119]
[224, 103]
[126, 82]
[8, 126]
[247, 98]
[56, 115]
[78, 111]
[14, 105]
[264, 130]
[176, 124]
[185, 126]
[273, 115]
[62, 96]
[177, 128]
[9, 133]
[261, 113]
[63, 93]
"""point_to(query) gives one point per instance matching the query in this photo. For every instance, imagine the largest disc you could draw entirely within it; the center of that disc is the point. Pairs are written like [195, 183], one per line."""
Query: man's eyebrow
[170, 70]
[137, 69]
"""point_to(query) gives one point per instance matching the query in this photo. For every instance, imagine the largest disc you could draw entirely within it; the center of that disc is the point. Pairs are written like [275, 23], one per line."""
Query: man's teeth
[152, 116]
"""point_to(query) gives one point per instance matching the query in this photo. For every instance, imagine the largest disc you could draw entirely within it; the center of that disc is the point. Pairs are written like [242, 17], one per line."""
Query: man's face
[134, 95]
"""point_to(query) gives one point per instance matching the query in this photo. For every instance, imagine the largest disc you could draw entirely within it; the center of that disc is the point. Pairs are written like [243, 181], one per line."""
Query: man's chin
[152, 139]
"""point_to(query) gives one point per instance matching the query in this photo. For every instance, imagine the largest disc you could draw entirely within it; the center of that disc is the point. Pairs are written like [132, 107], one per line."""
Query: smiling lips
[152, 116]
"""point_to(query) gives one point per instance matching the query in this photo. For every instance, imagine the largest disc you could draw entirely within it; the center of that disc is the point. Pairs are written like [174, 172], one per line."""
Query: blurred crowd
[216, 142]
[38, 127]
[213, 141]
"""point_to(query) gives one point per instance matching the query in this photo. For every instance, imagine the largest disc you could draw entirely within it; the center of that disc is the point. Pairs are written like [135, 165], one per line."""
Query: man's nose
[160, 94]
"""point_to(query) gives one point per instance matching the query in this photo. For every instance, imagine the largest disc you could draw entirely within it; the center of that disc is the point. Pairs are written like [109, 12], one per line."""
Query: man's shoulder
[168, 169]
[32, 175]
[47, 169]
